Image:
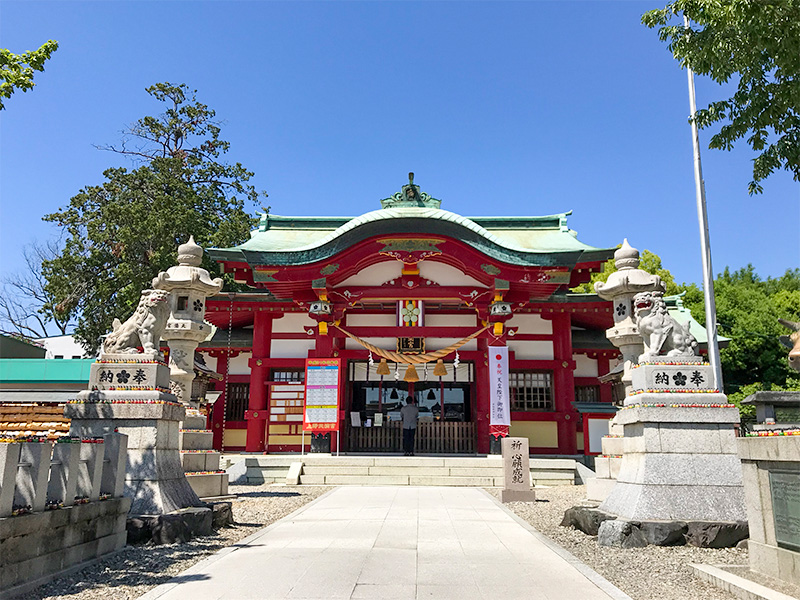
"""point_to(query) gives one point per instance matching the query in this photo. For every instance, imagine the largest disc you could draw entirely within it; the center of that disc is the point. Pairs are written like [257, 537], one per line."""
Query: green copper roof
[45, 370]
[528, 241]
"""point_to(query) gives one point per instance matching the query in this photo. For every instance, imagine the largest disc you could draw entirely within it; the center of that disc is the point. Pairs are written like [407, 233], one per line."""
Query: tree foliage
[748, 309]
[757, 42]
[16, 70]
[122, 232]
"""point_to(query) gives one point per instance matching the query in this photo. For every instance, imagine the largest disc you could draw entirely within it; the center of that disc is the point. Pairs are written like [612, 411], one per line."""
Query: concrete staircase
[323, 469]
[201, 463]
[607, 465]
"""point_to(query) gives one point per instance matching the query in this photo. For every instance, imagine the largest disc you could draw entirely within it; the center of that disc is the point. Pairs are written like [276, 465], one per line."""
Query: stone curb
[186, 575]
[735, 585]
[601, 582]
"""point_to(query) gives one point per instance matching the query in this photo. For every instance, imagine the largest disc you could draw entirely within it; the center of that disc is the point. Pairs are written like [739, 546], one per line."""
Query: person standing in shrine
[410, 415]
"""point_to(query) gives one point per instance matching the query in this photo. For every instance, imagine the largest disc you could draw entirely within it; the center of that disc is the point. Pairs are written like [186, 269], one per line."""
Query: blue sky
[518, 108]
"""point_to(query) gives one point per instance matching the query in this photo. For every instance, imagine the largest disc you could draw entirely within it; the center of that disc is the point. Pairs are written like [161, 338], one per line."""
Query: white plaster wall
[585, 366]
[597, 429]
[446, 275]
[375, 274]
[293, 323]
[530, 323]
[382, 343]
[526, 350]
[360, 372]
[239, 364]
[291, 348]
[385, 320]
[64, 346]
[467, 320]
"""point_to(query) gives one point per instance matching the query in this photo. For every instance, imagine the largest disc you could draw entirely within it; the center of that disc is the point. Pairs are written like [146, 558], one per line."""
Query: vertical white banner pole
[705, 243]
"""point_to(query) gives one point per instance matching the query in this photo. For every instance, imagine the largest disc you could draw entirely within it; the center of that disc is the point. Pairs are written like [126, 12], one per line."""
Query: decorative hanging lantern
[440, 370]
[393, 395]
[411, 374]
[383, 367]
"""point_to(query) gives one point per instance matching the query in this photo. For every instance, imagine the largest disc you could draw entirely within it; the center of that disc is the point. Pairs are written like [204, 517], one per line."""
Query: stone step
[200, 461]
[403, 470]
[612, 445]
[598, 489]
[208, 485]
[398, 470]
[607, 467]
[196, 439]
[417, 480]
[194, 422]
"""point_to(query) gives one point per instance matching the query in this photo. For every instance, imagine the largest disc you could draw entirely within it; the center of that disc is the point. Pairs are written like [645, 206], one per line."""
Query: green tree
[748, 309]
[757, 43]
[121, 233]
[648, 261]
[16, 70]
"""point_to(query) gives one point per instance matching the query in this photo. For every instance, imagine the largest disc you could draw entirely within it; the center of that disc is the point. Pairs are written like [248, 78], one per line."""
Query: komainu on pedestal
[129, 393]
[680, 479]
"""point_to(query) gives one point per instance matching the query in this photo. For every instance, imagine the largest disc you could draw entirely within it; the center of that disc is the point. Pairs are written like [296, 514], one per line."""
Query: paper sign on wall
[499, 404]
[322, 394]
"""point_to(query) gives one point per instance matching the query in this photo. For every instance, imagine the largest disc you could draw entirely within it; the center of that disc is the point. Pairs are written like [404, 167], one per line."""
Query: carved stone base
[154, 478]
[679, 462]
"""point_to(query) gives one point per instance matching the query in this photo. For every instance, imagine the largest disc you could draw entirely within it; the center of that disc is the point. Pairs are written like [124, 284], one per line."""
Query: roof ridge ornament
[410, 195]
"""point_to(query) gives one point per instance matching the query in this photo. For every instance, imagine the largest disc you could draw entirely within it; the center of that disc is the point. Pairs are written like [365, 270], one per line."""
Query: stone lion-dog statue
[144, 328]
[662, 334]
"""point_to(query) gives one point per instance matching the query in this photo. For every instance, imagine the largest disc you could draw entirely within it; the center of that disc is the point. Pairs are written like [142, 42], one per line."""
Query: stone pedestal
[679, 461]
[606, 466]
[127, 397]
[200, 462]
[771, 466]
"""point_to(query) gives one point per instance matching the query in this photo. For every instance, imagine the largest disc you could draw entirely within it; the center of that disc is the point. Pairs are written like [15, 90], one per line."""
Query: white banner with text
[499, 401]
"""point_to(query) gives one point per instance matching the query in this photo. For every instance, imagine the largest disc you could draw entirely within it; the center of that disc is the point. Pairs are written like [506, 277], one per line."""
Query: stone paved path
[393, 542]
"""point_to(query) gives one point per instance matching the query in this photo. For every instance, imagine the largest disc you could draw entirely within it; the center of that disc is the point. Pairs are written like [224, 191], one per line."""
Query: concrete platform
[393, 542]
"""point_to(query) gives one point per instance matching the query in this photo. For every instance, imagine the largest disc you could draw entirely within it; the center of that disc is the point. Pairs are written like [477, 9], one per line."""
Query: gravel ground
[650, 573]
[137, 569]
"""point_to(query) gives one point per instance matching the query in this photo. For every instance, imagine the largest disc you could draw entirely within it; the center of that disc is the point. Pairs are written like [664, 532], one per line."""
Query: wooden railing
[431, 438]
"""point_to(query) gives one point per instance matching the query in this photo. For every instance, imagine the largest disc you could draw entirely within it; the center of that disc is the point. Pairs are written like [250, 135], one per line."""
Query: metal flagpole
[705, 244]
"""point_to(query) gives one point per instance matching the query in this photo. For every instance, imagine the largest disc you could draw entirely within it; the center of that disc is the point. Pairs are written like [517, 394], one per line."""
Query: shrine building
[411, 282]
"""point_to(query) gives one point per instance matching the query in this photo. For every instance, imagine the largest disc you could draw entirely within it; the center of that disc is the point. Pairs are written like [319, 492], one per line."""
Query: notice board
[323, 383]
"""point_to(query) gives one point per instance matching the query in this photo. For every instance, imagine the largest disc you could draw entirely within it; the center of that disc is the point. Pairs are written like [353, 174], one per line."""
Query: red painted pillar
[325, 343]
[256, 427]
[586, 435]
[564, 383]
[602, 369]
[482, 400]
[218, 412]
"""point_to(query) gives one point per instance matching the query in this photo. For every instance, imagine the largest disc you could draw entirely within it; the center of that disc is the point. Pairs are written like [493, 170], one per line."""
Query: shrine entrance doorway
[446, 408]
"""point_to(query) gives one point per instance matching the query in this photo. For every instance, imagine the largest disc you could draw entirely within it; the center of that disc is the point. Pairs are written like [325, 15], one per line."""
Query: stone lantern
[620, 289]
[188, 285]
